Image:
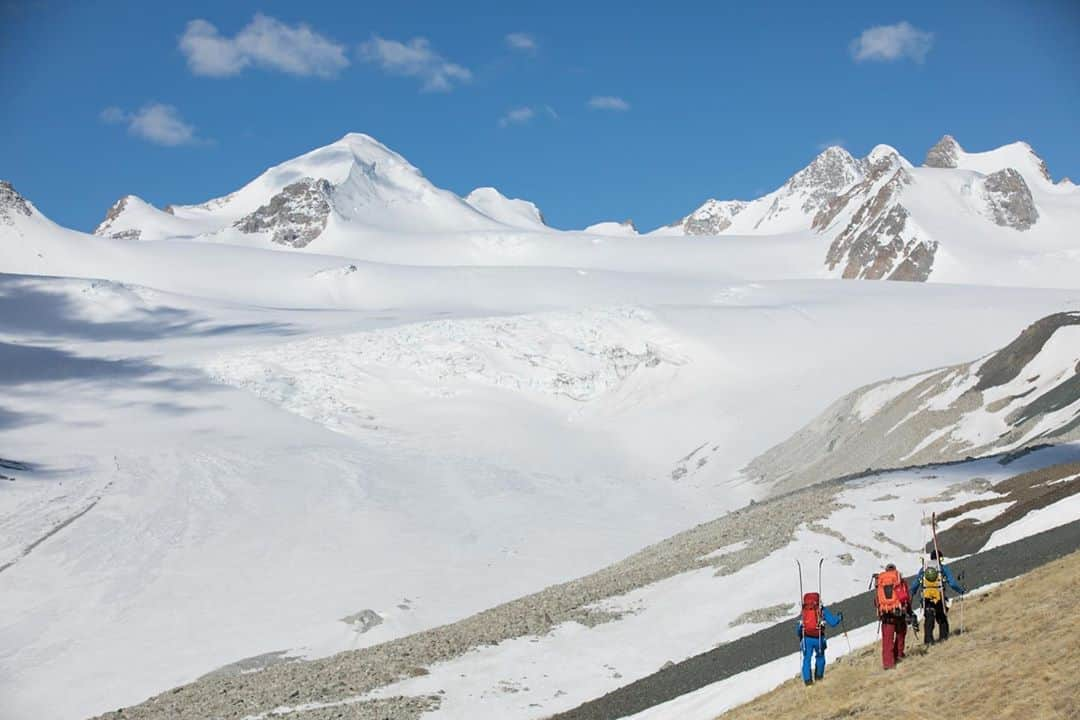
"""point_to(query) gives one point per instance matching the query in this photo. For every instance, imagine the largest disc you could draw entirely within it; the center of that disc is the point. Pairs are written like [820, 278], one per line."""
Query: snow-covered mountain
[886, 219]
[613, 228]
[216, 450]
[509, 211]
[353, 185]
[1024, 395]
[986, 218]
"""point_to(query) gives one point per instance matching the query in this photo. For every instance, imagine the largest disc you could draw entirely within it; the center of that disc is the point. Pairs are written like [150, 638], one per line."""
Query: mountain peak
[833, 169]
[944, 154]
[11, 202]
[886, 153]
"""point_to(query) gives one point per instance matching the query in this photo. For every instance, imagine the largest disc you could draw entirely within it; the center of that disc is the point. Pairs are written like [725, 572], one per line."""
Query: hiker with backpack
[893, 603]
[932, 580]
[811, 634]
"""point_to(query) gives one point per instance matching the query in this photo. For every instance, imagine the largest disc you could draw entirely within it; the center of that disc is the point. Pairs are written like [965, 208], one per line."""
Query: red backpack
[811, 614]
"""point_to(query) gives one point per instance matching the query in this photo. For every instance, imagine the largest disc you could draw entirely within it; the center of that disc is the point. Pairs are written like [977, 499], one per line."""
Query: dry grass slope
[1018, 660]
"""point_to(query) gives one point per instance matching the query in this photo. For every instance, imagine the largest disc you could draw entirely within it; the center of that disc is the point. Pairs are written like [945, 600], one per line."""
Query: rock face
[813, 187]
[1009, 199]
[944, 154]
[11, 203]
[295, 216]
[1025, 394]
[712, 218]
[880, 241]
[105, 228]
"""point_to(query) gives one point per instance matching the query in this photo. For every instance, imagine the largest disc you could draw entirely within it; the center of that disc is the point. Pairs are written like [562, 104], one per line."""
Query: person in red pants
[901, 623]
[892, 600]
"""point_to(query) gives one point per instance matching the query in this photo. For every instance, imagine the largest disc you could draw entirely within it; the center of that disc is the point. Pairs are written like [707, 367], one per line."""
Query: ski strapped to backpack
[940, 566]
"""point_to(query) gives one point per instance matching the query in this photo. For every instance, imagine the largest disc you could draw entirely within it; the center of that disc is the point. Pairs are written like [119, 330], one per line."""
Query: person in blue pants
[810, 631]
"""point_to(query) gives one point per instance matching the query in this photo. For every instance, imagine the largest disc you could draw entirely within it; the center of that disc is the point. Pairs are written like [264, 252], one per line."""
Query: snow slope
[512, 212]
[309, 437]
[993, 217]
[1025, 394]
[963, 217]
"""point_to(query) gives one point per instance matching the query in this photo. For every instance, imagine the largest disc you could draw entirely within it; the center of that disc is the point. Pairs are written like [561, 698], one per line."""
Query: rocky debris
[936, 416]
[295, 216]
[364, 620]
[944, 154]
[342, 680]
[845, 559]
[1006, 364]
[253, 664]
[1009, 199]
[764, 615]
[712, 218]
[11, 203]
[1018, 496]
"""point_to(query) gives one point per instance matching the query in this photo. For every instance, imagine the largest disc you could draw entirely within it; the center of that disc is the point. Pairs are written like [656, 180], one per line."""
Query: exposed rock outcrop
[295, 216]
[813, 187]
[880, 241]
[1009, 199]
[944, 154]
[712, 218]
[11, 203]
[105, 229]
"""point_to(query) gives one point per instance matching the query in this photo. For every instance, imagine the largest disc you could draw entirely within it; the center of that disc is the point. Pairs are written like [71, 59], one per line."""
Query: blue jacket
[830, 619]
[916, 584]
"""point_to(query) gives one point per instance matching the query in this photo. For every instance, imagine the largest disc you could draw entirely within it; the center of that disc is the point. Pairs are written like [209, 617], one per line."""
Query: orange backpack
[889, 598]
[811, 614]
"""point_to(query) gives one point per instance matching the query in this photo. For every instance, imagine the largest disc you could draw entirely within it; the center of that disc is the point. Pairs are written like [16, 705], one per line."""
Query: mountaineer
[932, 580]
[893, 603]
[811, 633]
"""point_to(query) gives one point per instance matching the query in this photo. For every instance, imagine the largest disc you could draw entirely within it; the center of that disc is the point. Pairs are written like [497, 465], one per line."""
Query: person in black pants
[932, 580]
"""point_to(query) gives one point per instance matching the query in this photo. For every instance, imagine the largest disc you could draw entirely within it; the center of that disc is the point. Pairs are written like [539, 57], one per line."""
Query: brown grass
[1018, 659]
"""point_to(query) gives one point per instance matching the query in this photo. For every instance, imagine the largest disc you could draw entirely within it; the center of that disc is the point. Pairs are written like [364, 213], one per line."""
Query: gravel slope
[774, 642]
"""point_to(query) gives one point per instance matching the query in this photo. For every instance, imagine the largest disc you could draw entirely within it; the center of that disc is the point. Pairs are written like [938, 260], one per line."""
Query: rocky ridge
[712, 218]
[12, 203]
[1025, 394]
[293, 217]
[944, 154]
[104, 228]
[880, 240]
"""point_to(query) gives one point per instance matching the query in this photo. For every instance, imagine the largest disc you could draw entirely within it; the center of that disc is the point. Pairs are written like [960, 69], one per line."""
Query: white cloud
[155, 122]
[892, 42]
[522, 41]
[551, 112]
[517, 116]
[416, 59]
[608, 102]
[265, 42]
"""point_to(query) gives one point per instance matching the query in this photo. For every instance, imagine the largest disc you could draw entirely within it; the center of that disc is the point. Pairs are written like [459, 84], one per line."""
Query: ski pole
[846, 638]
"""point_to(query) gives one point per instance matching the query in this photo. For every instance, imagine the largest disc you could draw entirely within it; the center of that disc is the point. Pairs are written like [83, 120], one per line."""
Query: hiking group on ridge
[893, 601]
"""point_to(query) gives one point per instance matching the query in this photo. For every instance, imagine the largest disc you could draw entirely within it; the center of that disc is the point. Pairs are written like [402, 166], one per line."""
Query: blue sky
[592, 110]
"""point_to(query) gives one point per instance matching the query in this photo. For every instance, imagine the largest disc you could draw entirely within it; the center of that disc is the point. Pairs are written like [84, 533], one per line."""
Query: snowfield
[217, 449]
